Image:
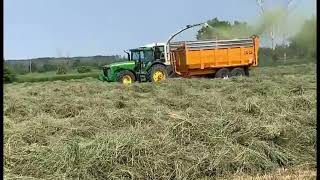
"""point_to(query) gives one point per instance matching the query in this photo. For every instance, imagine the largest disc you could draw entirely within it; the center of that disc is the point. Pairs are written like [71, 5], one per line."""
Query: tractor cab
[146, 56]
[150, 52]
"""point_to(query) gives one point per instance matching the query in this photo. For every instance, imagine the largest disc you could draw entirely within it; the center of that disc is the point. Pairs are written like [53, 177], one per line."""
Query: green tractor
[147, 63]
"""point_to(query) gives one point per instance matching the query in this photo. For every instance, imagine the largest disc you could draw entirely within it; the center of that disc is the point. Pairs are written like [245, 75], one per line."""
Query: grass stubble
[178, 129]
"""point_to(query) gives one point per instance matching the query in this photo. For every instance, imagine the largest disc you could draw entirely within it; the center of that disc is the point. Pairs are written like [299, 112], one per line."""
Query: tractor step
[142, 77]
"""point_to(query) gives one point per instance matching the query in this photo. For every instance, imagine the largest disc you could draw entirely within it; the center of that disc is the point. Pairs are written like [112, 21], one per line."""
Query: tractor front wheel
[157, 73]
[126, 77]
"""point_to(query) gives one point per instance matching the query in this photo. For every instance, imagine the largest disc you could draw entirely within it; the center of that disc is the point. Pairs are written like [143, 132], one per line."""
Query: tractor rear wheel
[237, 72]
[126, 77]
[223, 73]
[157, 73]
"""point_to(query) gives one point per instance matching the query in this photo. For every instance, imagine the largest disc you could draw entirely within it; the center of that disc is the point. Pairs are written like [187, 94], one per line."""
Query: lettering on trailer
[248, 52]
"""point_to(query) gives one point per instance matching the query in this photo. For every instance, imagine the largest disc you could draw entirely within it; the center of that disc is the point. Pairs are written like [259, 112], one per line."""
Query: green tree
[76, 63]
[49, 67]
[83, 69]
[8, 75]
[304, 42]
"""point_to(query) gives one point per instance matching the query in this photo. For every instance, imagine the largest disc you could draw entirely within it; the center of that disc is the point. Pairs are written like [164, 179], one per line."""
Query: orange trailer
[223, 58]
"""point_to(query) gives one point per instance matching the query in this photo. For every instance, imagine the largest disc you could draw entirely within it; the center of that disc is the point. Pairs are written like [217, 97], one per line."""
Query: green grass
[263, 62]
[52, 76]
[178, 129]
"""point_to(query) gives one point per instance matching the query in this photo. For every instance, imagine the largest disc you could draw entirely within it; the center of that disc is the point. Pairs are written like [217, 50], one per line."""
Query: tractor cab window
[147, 55]
[159, 53]
[143, 55]
[135, 55]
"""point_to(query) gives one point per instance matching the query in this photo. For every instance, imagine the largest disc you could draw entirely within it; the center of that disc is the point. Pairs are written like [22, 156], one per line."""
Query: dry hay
[178, 129]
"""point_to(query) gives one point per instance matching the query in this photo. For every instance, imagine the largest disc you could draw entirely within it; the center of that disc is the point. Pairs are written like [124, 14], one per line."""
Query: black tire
[237, 72]
[223, 73]
[170, 71]
[246, 71]
[124, 73]
[155, 68]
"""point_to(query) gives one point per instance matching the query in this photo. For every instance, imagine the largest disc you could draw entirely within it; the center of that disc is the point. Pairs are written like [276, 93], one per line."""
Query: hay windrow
[177, 129]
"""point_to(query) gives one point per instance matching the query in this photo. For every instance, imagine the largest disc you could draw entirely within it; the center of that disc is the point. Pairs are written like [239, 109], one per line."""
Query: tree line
[46, 64]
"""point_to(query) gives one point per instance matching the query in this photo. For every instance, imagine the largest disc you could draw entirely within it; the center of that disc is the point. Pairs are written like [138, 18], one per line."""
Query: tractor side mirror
[127, 54]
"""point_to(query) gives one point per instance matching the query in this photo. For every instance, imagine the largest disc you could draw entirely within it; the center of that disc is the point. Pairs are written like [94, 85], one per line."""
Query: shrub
[62, 70]
[49, 67]
[83, 69]
[8, 75]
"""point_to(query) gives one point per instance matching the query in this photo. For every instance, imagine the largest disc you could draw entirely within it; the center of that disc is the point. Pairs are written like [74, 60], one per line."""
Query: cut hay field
[180, 129]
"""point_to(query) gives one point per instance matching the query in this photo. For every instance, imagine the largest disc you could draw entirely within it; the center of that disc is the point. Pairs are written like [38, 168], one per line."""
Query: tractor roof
[141, 49]
[148, 46]
[154, 44]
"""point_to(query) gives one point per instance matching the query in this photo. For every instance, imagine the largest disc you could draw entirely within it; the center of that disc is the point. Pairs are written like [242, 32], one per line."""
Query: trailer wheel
[126, 77]
[237, 72]
[223, 73]
[246, 71]
[157, 73]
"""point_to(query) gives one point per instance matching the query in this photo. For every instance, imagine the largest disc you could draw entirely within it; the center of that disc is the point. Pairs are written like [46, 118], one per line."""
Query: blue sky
[50, 28]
